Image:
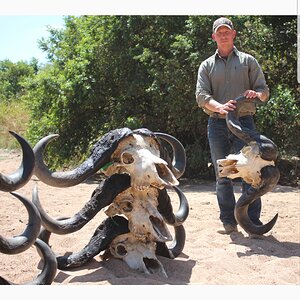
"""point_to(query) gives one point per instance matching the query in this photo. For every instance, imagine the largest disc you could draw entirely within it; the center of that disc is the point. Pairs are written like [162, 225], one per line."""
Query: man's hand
[220, 108]
[226, 107]
[250, 94]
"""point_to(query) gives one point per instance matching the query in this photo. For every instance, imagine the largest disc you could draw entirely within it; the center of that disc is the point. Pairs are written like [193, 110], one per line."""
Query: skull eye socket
[121, 250]
[127, 206]
[127, 158]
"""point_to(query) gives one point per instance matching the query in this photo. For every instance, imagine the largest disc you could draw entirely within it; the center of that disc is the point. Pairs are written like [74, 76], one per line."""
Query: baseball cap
[222, 22]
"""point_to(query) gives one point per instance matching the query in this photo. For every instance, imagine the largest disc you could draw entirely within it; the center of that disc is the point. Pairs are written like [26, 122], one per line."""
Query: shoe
[228, 228]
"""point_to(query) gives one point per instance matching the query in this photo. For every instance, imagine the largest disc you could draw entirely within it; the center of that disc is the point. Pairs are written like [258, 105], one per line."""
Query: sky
[24, 22]
[19, 36]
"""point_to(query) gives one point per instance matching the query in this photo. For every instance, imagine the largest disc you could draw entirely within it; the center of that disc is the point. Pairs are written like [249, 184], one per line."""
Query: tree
[12, 77]
[107, 72]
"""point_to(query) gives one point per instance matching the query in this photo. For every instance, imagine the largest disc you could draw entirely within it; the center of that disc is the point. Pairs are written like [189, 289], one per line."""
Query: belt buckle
[216, 115]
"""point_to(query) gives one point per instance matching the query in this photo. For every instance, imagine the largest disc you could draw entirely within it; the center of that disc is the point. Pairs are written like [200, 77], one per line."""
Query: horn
[179, 155]
[22, 175]
[234, 125]
[100, 155]
[166, 210]
[268, 148]
[103, 196]
[270, 176]
[174, 249]
[100, 241]
[59, 179]
[22, 242]
[48, 273]
[183, 210]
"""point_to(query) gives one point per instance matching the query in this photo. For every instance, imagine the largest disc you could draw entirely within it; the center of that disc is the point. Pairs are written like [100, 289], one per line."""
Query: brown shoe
[228, 228]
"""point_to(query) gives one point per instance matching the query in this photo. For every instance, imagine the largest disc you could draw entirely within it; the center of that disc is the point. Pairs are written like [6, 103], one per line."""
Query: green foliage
[198, 161]
[12, 77]
[272, 40]
[107, 72]
[279, 118]
[132, 123]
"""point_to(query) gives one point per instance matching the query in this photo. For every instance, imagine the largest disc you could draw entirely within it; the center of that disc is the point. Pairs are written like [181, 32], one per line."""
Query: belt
[219, 116]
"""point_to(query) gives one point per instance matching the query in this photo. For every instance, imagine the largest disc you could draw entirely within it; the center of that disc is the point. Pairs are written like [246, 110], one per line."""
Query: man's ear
[213, 36]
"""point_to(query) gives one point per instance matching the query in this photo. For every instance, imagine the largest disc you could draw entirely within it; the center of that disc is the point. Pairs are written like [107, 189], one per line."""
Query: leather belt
[219, 116]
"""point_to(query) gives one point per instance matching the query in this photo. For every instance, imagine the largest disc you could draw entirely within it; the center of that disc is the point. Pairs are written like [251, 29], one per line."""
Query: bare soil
[208, 258]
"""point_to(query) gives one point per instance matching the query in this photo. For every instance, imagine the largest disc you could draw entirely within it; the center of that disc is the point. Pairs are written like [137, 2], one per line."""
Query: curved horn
[100, 155]
[234, 125]
[166, 210]
[179, 155]
[4, 281]
[179, 241]
[22, 175]
[268, 149]
[101, 239]
[270, 176]
[59, 179]
[177, 245]
[101, 197]
[22, 242]
[183, 210]
[48, 273]
[46, 234]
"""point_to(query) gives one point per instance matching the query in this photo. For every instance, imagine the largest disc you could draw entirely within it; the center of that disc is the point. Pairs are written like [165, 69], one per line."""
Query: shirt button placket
[227, 75]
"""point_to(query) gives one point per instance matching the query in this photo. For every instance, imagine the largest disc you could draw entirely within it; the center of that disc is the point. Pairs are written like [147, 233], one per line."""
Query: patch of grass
[14, 116]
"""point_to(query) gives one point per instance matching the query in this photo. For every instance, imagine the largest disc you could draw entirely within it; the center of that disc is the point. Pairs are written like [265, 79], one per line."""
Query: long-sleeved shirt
[225, 79]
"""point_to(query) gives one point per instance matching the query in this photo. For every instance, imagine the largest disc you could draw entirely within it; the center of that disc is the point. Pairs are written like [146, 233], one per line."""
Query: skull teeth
[141, 187]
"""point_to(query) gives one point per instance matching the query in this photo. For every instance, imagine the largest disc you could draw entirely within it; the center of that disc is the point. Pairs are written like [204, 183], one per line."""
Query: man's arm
[204, 96]
[203, 87]
[258, 83]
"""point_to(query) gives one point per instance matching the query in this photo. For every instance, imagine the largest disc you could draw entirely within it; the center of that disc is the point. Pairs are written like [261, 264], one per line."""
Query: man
[227, 74]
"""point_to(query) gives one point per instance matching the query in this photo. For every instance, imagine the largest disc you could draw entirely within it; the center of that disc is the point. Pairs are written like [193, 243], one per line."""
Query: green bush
[279, 119]
[107, 72]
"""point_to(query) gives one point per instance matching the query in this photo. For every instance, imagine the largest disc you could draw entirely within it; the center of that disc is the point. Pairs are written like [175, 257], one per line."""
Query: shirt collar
[235, 51]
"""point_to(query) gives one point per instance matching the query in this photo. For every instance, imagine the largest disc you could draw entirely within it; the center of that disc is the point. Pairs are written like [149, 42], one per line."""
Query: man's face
[224, 36]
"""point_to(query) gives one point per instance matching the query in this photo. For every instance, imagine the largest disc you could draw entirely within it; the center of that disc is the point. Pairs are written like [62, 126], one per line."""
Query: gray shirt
[225, 79]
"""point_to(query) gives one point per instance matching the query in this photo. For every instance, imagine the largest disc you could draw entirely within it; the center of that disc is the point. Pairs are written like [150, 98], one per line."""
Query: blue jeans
[222, 143]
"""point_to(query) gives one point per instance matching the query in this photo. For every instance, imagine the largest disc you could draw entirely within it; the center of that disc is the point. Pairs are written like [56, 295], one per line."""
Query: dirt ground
[208, 258]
